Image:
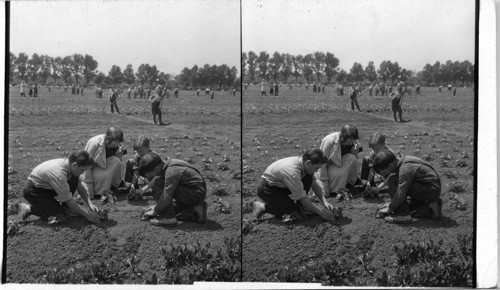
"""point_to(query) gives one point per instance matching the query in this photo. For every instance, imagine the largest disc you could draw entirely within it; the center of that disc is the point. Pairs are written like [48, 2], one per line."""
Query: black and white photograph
[359, 129]
[123, 142]
[250, 144]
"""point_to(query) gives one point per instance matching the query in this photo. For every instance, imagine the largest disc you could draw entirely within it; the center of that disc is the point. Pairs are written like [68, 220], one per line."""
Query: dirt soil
[57, 122]
[441, 129]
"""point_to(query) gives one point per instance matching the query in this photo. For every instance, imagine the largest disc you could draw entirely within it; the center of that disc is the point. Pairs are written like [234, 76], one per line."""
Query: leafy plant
[412, 253]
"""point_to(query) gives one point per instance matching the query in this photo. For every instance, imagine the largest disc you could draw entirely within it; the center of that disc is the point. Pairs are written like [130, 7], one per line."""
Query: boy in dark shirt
[179, 191]
[417, 191]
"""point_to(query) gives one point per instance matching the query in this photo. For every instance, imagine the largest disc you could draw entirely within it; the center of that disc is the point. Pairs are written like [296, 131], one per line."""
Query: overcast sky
[170, 34]
[411, 32]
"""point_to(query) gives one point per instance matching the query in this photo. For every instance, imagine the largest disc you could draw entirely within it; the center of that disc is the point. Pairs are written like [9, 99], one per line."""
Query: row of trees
[82, 70]
[209, 75]
[323, 68]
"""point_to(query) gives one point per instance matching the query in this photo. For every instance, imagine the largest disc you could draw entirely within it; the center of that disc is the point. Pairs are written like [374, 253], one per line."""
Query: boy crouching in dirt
[376, 144]
[141, 147]
[51, 186]
[284, 186]
[416, 192]
[179, 191]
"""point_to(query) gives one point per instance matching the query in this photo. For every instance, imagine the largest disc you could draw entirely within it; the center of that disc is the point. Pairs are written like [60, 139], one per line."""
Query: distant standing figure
[176, 92]
[354, 94]
[81, 91]
[454, 91]
[35, 90]
[271, 90]
[198, 92]
[30, 92]
[113, 98]
[156, 102]
[22, 90]
[262, 89]
[77, 91]
[276, 89]
[323, 89]
[129, 92]
[212, 97]
[417, 90]
[440, 87]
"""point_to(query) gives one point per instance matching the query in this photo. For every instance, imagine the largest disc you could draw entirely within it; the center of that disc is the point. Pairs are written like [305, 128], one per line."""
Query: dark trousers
[155, 110]
[396, 108]
[419, 197]
[43, 202]
[355, 101]
[277, 200]
[184, 200]
[129, 171]
[113, 106]
[365, 167]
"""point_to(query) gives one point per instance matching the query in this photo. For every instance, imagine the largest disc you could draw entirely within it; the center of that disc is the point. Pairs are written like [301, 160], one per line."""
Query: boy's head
[141, 145]
[113, 137]
[313, 160]
[80, 161]
[377, 142]
[385, 162]
[151, 165]
[348, 134]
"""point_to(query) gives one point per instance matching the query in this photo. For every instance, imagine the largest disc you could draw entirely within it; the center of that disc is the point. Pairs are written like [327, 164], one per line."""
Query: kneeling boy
[417, 189]
[285, 184]
[58, 178]
[178, 182]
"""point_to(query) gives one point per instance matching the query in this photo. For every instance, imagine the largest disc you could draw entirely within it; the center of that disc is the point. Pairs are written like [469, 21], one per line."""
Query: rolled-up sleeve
[406, 175]
[61, 187]
[293, 182]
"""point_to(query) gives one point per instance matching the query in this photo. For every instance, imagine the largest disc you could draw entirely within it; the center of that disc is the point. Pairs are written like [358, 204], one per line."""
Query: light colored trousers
[338, 177]
[113, 174]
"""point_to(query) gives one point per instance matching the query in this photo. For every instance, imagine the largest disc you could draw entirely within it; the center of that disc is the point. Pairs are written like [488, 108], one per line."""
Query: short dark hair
[315, 155]
[82, 158]
[141, 142]
[349, 131]
[114, 134]
[376, 139]
[148, 163]
[382, 159]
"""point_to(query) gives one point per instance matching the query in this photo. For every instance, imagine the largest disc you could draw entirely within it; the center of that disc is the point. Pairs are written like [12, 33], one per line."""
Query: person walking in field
[396, 101]
[340, 173]
[156, 103]
[107, 152]
[113, 99]
[263, 89]
[180, 191]
[354, 94]
[416, 188]
[21, 87]
[176, 93]
[35, 90]
[285, 184]
[417, 90]
[50, 188]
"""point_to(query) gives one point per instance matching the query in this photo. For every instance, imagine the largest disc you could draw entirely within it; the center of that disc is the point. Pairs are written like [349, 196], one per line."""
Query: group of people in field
[59, 189]
[413, 184]
[32, 90]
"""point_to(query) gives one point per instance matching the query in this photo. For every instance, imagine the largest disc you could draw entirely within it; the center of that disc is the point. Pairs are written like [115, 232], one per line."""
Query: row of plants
[184, 264]
[420, 264]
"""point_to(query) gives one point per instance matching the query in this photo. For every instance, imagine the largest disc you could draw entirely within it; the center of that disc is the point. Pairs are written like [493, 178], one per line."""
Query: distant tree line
[82, 70]
[323, 68]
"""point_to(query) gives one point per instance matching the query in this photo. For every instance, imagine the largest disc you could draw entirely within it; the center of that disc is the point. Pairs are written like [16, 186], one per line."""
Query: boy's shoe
[437, 208]
[258, 209]
[200, 212]
[186, 217]
[168, 222]
[24, 210]
[399, 219]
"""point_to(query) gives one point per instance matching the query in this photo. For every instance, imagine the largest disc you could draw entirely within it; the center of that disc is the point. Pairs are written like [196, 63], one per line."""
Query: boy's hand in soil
[93, 207]
[328, 206]
[93, 217]
[327, 214]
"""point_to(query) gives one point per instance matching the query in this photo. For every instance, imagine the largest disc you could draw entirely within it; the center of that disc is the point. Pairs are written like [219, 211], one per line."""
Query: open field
[202, 131]
[359, 248]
